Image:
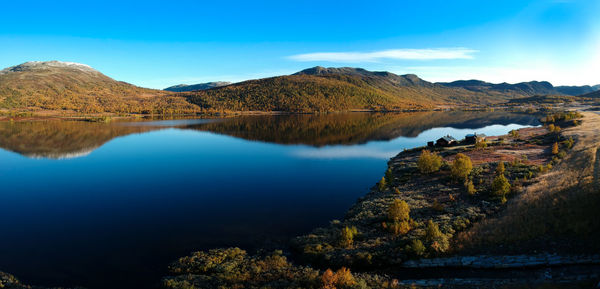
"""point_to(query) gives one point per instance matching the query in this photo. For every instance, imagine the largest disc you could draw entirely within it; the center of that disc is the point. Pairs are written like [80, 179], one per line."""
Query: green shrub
[461, 167]
[429, 162]
[500, 168]
[399, 211]
[399, 227]
[347, 236]
[500, 187]
[437, 241]
[382, 185]
[432, 231]
[389, 176]
[416, 248]
[470, 188]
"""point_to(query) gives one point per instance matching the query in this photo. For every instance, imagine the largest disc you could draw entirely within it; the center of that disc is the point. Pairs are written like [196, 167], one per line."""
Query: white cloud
[398, 54]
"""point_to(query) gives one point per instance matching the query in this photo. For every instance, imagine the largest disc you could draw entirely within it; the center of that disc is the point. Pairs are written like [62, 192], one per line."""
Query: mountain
[595, 94]
[399, 80]
[55, 87]
[335, 89]
[74, 87]
[577, 90]
[532, 88]
[200, 86]
[518, 89]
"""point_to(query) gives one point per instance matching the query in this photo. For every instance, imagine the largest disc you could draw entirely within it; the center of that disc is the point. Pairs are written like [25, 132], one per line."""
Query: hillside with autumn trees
[71, 87]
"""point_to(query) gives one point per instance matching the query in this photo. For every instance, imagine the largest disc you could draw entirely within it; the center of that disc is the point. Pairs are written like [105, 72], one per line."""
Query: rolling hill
[67, 86]
[199, 86]
[335, 89]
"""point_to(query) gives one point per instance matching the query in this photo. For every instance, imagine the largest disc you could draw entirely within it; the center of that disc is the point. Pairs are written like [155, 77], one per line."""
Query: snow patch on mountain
[35, 65]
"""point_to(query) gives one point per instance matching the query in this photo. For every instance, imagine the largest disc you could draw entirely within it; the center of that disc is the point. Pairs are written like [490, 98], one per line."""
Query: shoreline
[7, 115]
[372, 247]
[401, 165]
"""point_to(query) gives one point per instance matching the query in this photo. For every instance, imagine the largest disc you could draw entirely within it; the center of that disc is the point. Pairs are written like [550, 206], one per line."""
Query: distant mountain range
[330, 89]
[524, 88]
[72, 87]
[200, 86]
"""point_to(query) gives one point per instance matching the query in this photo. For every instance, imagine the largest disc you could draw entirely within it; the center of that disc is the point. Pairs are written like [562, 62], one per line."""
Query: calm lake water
[110, 205]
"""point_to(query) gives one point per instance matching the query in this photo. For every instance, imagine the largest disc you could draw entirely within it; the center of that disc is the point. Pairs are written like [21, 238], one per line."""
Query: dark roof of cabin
[447, 138]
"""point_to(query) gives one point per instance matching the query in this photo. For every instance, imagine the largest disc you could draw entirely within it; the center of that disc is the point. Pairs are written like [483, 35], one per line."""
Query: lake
[110, 205]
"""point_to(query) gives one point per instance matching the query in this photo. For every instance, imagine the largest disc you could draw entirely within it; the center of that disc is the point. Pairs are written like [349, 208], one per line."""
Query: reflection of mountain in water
[59, 139]
[67, 139]
[355, 128]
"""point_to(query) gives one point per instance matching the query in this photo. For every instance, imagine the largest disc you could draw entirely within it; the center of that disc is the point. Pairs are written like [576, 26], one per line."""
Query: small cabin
[446, 141]
[474, 138]
[430, 143]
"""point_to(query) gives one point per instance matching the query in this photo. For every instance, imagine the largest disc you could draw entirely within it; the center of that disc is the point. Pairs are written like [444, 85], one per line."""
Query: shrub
[399, 211]
[432, 231]
[389, 176]
[438, 242]
[347, 236]
[500, 186]
[341, 278]
[416, 248]
[461, 167]
[481, 145]
[328, 279]
[556, 129]
[555, 148]
[569, 143]
[470, 188]
[437, 206]
[399, 227]
[500, 168]
[514, 133]
[382, 184]
[429, 162]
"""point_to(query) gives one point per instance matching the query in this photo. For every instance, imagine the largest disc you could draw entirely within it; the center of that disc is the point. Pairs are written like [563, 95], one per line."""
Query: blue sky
[161, 43]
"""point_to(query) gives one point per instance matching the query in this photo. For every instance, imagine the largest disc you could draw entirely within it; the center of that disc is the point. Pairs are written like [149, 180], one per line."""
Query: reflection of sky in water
[172, 122]
[388, 149]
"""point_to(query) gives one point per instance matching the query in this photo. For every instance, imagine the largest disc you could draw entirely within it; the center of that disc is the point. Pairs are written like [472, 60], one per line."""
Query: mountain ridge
[74, 87]
[530, 88]
[68, 86]
[198, 86]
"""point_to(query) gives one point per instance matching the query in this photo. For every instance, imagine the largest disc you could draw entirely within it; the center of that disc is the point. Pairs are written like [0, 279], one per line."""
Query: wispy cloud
[398, 54]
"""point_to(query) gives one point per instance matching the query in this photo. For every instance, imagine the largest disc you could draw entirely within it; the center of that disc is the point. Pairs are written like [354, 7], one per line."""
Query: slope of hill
[335, 89]
[66, 86]
[595, 94]
[199, 86]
